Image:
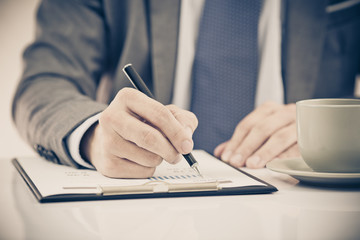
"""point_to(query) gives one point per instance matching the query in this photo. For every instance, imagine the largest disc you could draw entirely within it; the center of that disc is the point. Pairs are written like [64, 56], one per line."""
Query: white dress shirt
[269, 87]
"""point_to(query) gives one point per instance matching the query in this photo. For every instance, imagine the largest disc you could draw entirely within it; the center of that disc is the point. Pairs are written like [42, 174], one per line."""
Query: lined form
[180, 172]
[175, 177]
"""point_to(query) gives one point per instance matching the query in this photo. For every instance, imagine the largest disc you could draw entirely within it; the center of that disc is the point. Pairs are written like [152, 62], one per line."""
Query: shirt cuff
[73, 141]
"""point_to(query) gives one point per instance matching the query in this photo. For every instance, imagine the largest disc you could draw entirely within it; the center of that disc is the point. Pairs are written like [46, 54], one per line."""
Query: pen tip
[197, 170]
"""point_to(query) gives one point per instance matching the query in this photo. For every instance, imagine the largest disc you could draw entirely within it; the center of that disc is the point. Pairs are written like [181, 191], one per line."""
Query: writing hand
[266, 133]
[135, 133]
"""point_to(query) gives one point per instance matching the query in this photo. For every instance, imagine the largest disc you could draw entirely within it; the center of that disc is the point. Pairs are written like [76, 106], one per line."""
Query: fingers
[244, 127]
[135, 133]
[263, 135]
[292, 152]
[143, 135]
[117, 146]
[160, 117]
[269, 133]
[186, 118]
[274, 146]
[220, 149]
[102, 153]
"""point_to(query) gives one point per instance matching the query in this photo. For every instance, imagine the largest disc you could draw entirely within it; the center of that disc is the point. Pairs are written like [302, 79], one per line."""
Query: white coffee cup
[329, 134]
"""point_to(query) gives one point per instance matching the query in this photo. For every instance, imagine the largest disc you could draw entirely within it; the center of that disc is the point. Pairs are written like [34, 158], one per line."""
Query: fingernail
[217, 151]
[187, 146]
[226, 156]
[254, 161]
[236, 159]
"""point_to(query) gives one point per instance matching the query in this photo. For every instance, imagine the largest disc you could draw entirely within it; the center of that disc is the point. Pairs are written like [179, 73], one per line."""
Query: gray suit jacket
[79, 42]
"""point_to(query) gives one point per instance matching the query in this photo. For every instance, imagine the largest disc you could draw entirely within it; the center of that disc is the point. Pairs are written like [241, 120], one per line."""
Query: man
[80, 42]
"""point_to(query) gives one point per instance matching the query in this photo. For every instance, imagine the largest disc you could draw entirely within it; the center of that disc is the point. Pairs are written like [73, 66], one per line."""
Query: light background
[16, 32]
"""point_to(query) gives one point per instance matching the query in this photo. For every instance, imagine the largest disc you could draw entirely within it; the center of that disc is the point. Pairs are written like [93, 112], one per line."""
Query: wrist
[87, 144]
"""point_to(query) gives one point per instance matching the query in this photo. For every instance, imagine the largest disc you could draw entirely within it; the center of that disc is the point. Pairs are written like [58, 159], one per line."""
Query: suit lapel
[164, 27]
[304, 26]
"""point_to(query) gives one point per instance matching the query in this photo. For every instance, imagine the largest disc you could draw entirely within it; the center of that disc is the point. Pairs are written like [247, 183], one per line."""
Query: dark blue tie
[225, 69]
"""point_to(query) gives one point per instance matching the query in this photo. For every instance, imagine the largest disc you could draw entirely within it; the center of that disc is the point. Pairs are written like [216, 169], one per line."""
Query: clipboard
[50, 182]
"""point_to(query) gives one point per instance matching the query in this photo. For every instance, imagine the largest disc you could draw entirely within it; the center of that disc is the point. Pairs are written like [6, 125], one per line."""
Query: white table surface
[296, 211]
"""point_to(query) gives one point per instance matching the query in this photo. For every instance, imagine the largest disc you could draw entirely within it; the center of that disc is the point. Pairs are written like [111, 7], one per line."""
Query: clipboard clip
[159, 187]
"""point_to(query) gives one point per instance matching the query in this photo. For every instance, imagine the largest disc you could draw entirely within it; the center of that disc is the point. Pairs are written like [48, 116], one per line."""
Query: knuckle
[124, 124]
[281, 137]
[194, 120]
[234, 141]
[172, 107]
[161, 110]
[124, 93]
[244, 125]
[177, 135]
[109, 118]
[186, 118]
[261, 131]
[149, 138]
[129, 92]
[161, 114]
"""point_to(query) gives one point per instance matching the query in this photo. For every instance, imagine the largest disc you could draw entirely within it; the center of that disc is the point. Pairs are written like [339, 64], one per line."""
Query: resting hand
[266, 133]
[135, 133]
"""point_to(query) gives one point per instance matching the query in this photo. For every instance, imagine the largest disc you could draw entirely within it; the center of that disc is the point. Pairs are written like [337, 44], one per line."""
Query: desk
[296, 211]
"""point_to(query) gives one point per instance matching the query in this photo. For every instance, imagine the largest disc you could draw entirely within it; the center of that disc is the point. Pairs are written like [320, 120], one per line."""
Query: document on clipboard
[56, 183]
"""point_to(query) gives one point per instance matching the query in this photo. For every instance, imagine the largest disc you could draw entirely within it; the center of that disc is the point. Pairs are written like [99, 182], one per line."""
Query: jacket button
[52, 157]
[40, 150]
[47, 154]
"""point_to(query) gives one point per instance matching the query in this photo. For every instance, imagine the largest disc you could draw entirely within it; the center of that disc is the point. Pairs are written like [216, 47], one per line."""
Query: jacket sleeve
[63, 67]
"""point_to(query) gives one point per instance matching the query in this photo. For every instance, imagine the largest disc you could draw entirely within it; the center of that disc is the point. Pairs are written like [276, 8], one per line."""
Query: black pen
[139, 84]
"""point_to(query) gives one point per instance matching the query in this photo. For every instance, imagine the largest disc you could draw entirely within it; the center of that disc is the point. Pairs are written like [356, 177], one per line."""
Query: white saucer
[297, 168]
